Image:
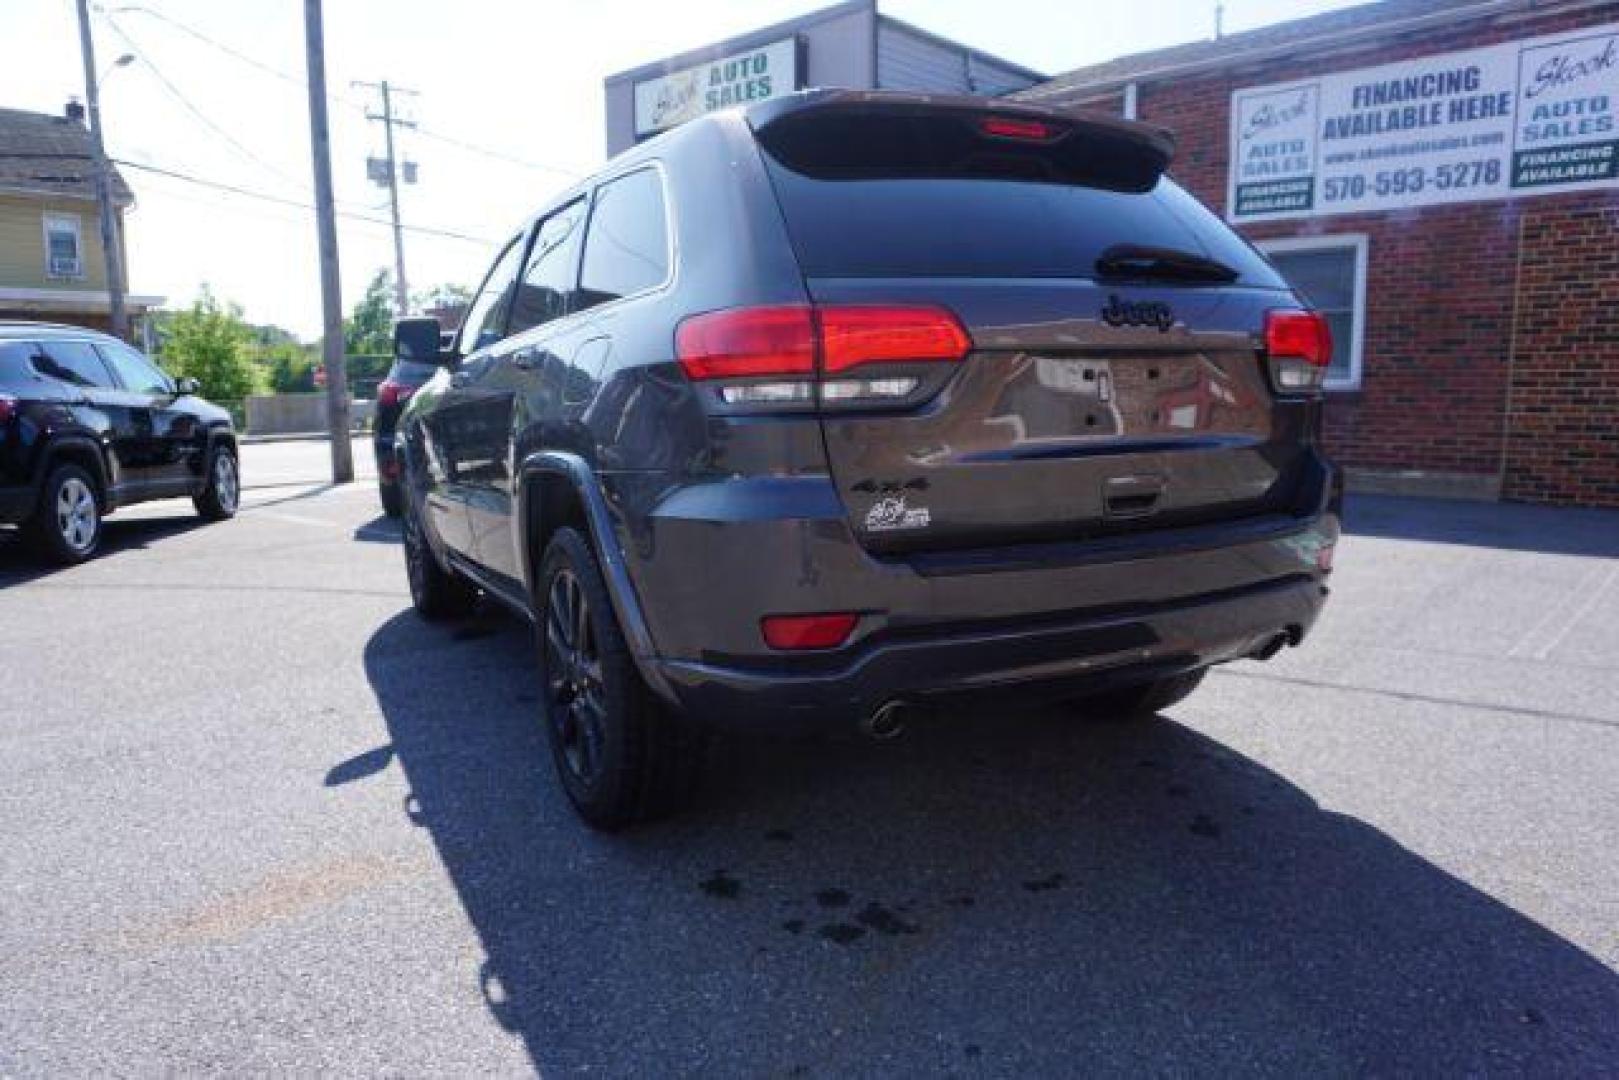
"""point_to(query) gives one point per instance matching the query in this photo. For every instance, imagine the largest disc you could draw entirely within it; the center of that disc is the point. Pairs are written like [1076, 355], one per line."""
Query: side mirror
[186, 385]
[419, 338]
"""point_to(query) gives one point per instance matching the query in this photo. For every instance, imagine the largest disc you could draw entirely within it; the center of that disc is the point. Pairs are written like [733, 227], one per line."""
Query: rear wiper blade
[1161, 264]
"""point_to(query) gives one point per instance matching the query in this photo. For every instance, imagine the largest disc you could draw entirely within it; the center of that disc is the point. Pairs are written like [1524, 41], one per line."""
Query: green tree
[370, 329]
[208, 342]
[442, 295]
[292, 370]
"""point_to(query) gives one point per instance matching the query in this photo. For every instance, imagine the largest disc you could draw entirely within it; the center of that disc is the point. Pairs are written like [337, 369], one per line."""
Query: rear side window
[852, 211]
[73, 362]
[627, 247]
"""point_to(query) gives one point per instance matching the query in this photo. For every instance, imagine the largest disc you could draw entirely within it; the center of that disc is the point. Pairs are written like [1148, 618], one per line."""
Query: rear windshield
[950, 226]
[413, 371]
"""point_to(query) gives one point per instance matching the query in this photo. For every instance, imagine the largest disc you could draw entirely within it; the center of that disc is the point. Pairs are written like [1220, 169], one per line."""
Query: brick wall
[1563, 414]
[1447, 386]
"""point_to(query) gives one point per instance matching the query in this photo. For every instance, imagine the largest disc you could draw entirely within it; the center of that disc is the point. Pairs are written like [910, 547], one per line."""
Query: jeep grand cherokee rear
[944, 398]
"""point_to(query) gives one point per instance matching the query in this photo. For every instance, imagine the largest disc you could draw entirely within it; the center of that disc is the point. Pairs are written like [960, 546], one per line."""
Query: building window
[64, 254]
[1330, 272]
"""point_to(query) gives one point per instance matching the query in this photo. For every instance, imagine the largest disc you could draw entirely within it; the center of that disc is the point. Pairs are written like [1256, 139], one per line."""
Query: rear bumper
[1027, 621]
[16, 504]
[1043, 662]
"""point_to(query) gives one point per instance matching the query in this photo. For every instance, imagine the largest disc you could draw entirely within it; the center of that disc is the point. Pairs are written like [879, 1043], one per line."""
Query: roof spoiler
[1069, 146]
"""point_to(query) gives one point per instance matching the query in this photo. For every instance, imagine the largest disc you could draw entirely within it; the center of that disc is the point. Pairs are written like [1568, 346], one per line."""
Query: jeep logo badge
[1143, 313]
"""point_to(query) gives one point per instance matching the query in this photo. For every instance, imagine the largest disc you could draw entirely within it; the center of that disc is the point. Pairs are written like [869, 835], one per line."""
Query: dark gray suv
[797, 417]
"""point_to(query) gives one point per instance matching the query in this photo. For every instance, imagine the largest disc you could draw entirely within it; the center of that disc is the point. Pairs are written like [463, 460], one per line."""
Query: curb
[312, 436]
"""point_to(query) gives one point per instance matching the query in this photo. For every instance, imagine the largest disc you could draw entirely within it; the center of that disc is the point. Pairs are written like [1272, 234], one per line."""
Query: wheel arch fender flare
[78, 448]
[560, 467]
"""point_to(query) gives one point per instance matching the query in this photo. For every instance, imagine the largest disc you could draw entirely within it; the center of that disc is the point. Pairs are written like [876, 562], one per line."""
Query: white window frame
[57, 222]
[1356, 242]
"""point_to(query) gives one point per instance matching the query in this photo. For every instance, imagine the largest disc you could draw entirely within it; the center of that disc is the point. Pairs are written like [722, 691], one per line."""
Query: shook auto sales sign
[1523, 118]
[755, 75]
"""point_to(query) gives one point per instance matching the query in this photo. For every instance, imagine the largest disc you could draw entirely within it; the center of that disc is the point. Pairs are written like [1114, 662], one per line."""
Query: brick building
[1442, 178]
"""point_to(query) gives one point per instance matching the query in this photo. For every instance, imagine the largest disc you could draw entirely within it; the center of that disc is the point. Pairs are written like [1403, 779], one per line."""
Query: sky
[216, 92]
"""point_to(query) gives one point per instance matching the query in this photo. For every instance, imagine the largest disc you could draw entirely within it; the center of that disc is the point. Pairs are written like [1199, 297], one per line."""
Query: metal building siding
[907, 62]
[993, 80]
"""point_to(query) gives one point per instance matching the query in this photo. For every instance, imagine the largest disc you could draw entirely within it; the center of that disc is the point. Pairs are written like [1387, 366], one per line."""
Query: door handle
[526, 359]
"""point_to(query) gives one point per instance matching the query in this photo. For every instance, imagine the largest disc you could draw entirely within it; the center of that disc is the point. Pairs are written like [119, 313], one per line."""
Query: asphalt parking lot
[255, 816]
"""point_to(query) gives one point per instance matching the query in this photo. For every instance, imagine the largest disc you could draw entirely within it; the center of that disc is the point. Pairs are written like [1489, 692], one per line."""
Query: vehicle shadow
[381, 529]
[1556, 530]
[999, 892]
[19, 564]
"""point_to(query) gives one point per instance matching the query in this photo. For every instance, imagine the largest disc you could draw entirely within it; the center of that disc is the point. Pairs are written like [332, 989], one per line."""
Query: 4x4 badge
[1138, 313]
[891, 513]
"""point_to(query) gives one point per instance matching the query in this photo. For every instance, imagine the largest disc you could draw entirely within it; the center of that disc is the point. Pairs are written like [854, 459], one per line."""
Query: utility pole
[111, 242]
[391, 169]
[331, 293]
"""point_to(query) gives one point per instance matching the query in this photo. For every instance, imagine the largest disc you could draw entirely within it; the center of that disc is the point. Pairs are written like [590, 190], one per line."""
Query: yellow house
[52, 266]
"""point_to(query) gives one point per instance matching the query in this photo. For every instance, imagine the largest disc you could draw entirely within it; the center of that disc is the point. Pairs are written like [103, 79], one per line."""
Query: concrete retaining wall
[297, 414]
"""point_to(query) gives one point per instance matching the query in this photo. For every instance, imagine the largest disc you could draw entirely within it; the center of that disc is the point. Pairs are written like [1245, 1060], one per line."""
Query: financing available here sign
[1521, 118]
[740, 79]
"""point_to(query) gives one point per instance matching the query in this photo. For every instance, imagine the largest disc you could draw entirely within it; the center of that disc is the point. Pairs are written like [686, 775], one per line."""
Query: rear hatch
[1113, 382]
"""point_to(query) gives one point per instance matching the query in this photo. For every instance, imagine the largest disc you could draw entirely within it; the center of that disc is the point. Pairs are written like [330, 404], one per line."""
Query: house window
[1330, 272]
[64, 255]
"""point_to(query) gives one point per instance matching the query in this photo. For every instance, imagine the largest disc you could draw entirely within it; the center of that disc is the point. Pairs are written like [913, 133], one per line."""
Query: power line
[425, 132]
[266, 197]
[229, 51]
[185, 102]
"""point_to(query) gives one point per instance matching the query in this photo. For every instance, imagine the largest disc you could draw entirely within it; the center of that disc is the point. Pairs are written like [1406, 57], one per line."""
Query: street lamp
[123, 61]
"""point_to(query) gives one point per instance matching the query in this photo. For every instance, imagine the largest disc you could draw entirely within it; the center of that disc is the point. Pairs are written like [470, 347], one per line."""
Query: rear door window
[627, 249]
[546, 290]
[74, 362]
[895, 202]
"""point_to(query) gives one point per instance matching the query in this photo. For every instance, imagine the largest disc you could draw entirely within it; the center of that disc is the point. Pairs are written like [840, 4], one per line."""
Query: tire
[393, 503]
[66, 526]
[222, 491]
[435, 592]
[1143, 700]
[621, 755]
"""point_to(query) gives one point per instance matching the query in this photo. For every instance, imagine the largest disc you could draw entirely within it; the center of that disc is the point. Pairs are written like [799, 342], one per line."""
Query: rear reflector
[8, 408]
[765, 342]
[795, 632]
[1009, 127]
[1298, 345]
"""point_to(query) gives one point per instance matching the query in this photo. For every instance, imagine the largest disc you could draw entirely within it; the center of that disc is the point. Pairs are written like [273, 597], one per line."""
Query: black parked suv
[799, 416]
[88, 424]
[404, 378]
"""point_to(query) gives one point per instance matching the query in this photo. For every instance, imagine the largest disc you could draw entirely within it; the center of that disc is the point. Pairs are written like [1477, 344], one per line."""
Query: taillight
[791, 633]
[851, 336]
[747, 343]
[1298, 347]
[393, 393]
[786, 355]
[8, 408]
